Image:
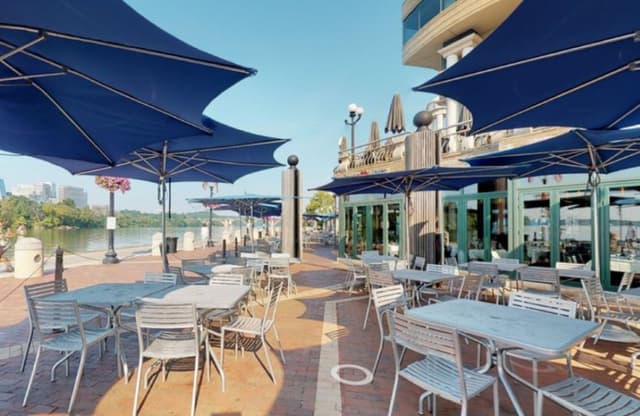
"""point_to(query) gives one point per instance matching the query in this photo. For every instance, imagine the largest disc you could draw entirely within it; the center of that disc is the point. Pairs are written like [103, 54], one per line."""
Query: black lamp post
[111, 257]
[210, 236]
[355, 114]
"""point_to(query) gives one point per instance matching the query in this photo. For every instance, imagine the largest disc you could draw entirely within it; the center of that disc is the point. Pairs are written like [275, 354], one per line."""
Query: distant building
[76, 194]
[41, 192]
[3, 190]
[101, 209]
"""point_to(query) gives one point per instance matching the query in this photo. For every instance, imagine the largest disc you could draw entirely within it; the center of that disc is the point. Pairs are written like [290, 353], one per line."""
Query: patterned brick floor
[302, 388]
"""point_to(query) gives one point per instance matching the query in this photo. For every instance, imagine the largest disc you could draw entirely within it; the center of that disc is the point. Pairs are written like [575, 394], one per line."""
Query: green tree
[322, 202]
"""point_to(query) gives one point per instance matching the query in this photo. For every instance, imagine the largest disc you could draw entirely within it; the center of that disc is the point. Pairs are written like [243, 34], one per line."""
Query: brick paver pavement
[300, 389]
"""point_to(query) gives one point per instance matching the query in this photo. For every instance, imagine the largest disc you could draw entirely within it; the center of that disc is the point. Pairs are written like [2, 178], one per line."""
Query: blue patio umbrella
[245, 204]
[552, 63]
[578, 151]
[94, 80]
[434, 178]
[225, 156]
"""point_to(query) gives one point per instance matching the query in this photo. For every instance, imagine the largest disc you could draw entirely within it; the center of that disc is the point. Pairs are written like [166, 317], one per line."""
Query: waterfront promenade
[320, 327]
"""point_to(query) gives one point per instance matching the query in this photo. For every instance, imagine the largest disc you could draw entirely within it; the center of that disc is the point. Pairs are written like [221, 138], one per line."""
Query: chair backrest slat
[419, 263]
[194, 262]
[504, 260]
[443, 268]
[380, 278]
[160, 315]
[402, 264]
[50, 315]
[271, 307]
[388, 295]
[47, 288]
[544, 275]
[226, 279]
[542, 303]
[423, 337]
[158, 277]
[483, 268]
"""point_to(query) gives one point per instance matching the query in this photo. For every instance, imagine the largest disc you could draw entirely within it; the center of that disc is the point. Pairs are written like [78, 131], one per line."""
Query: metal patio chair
[585, 397]
[491, 281]
[50, 316]
[386, 299]
[256, 328]
[429, 290]
[378, 276]
[279, 270]
[541, 276]
[39, 290]
[540, 303]
[179, 338]
[441, 372]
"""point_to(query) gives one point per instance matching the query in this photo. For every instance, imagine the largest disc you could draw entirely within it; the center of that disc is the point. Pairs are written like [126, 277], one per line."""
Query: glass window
[475, 230]
[410, 25]
[536, 244]
[451, 230]
[377, 223]
[348, 232]
[361, 229]
[575, 227]
[393, 224]
[499, 228]
[624, 237]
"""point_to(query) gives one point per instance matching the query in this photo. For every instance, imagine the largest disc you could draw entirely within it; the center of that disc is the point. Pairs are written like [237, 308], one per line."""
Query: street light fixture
[355, 114]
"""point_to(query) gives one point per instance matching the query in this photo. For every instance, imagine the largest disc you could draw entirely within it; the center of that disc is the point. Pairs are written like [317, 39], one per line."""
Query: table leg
[505, 382]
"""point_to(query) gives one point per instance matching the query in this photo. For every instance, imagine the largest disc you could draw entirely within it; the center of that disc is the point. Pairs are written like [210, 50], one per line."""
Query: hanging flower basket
[113, 183]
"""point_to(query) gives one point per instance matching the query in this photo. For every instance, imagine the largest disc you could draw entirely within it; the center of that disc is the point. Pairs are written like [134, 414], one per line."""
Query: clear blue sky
[313, 59]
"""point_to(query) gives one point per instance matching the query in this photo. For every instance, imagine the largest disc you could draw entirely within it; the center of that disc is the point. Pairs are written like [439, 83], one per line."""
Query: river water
[95, 239]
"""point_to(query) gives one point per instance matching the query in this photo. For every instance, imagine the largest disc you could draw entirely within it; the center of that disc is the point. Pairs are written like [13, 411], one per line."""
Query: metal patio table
[508, 328]
[203, 270]
[422, 276]
[112, 296]
[204, 297]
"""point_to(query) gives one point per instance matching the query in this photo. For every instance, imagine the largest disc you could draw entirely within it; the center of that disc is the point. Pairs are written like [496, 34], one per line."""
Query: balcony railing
[369, 158]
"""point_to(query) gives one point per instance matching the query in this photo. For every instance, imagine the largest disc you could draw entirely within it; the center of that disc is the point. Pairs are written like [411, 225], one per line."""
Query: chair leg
[195, 384]
[217, 364]
[265, 346]
[275, 332]
[207, 363]
[33, 373]
[392, 402]
[569, 366]
[539, 404]
[221, 348]
[378, 356]
[496, 399]
[366, 314]
[137, 390]
[27, 347]
[83, 356]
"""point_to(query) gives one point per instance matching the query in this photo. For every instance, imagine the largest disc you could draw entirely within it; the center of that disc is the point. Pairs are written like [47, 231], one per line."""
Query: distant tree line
[19, 210]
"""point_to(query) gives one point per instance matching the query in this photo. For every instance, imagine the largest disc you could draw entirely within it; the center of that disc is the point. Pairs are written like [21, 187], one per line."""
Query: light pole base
[111, 257]
[210, 243]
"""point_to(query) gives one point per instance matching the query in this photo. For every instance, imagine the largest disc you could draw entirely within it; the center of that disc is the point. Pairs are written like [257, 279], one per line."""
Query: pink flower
[113, 183]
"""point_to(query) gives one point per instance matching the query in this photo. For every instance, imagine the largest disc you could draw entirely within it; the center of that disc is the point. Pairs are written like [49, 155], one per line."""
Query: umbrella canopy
[374, 136]
[99, 79]
[578, 151]
[433, 178]
[242, 204]
[224, 157]
[552, 64]
[395, 119]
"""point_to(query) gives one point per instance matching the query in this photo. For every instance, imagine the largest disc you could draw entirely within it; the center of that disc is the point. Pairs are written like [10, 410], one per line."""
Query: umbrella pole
[596, 234]
[441, 225]
[163, 198]
[407, 201]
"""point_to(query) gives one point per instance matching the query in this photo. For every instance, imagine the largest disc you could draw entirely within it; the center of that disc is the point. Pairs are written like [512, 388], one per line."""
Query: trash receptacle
[172, 244]
[29, 258]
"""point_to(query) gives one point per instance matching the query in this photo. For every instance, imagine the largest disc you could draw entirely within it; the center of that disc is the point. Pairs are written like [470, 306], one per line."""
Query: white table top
[422, 276]
[378, 259]
[502, 266]
[512, 327]
[109, 294]
[201, 269]
[203, 296]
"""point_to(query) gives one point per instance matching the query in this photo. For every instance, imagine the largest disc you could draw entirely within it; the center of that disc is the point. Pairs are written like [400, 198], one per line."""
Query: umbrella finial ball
[422, 119]
[292, 160]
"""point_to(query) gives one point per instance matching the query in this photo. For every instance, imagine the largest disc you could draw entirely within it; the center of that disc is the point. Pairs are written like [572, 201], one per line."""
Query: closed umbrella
[395, 119]
[94, 81]
[434, 178]
[578, 151]
[552, 63]
[224, 157]
[374, 136]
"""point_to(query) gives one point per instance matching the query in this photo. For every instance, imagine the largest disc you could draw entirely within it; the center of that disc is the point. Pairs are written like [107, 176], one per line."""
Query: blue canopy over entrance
[552, 63]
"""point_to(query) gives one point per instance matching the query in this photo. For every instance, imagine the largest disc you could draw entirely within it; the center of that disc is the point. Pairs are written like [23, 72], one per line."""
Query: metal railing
[369, 156]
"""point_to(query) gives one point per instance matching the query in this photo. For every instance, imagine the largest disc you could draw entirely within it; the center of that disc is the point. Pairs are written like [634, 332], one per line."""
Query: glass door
[499, 228]
[475, 229]
[348, 232]
[575, 233]
[394, 230]
[624, 228]
[450, 211]
[377, 228]
[537, 217]
[360, 227]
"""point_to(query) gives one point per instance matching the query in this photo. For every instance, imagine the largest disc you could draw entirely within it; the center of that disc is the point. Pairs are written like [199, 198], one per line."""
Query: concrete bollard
[59, 263]
[236, 246]
[224, 248]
